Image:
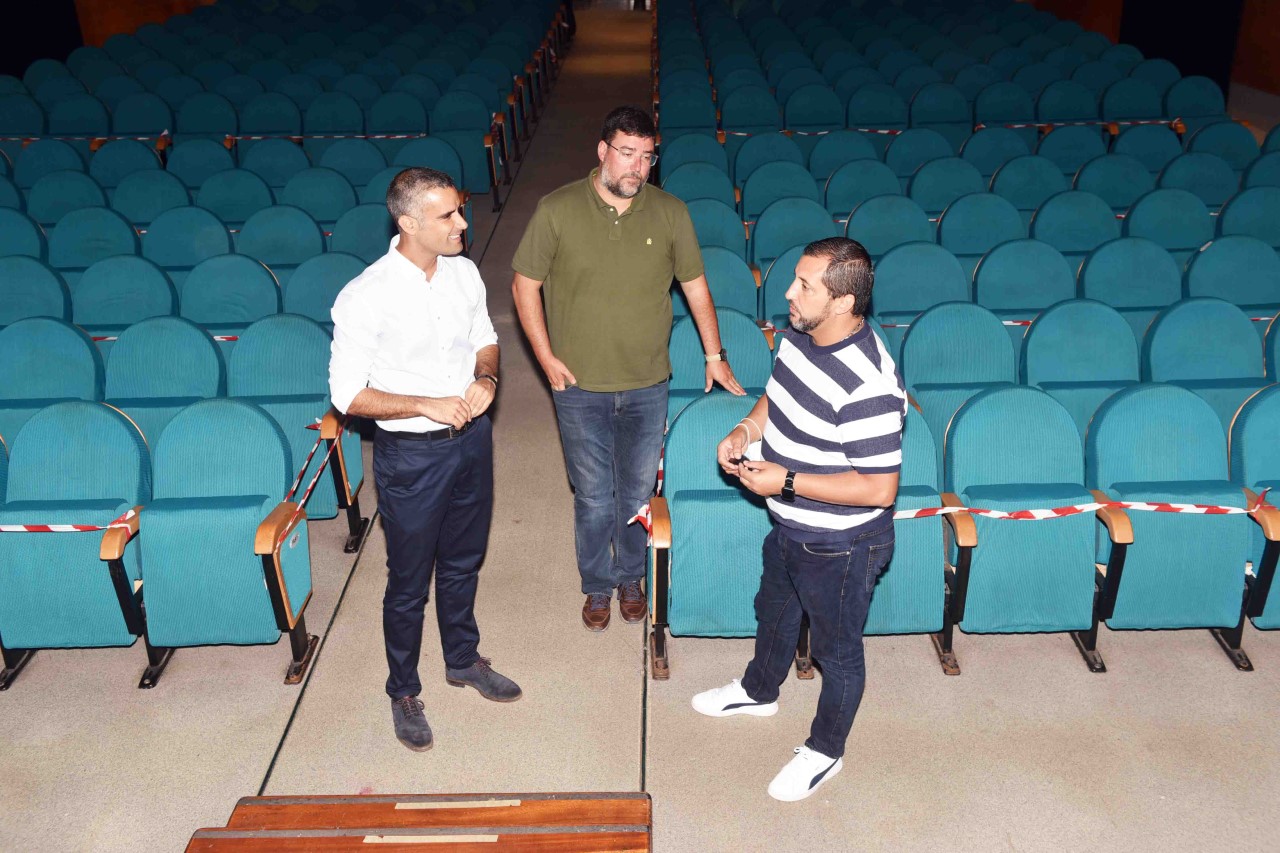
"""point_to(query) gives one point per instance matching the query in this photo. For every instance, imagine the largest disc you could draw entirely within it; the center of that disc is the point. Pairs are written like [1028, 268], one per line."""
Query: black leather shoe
[411, 724]
[480, 675]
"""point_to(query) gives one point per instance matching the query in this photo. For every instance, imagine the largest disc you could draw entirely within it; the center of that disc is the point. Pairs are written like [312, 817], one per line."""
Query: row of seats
[1162, 570]
[223, 293]
[280, 236]
[1219, 160]
[162, 364]
[232, 194]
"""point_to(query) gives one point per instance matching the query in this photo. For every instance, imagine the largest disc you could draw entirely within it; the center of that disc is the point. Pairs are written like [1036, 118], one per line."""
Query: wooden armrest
[499, 118]
[769, 334]
[1113, 128]
[966, 532]
[755, 273]
[114, 540]
[660, 522]
[914, 404]
[1116, 520]
[511, 100]
[1267, 517]
[719, 133]
[331, 425]
[737, 195]
[163, 142]
[96, 143]
[488, 140]
[228, 142]
[1179, 126]
[275, 528]
[657, 139]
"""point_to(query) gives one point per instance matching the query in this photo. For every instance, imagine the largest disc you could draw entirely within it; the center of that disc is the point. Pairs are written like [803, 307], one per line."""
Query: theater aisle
[578, 727]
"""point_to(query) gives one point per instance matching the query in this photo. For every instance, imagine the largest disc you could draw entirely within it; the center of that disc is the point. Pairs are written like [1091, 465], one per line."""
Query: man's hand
[718, 372]
[479, 396]
[763, 478]
[731, 449]
[454, 411]
[557, 374]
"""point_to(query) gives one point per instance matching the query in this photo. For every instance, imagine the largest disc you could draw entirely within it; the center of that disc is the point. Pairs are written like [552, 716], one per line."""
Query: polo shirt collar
[637, 201]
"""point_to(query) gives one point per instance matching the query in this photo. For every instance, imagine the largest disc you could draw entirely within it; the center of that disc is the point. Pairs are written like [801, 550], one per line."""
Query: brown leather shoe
[632, 605]
[595, 612]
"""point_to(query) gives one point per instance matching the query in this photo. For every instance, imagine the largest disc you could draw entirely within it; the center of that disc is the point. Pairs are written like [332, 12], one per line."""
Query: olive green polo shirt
[607, 280]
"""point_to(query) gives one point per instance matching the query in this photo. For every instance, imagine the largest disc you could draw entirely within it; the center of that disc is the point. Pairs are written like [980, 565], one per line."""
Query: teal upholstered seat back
[221, 447]
[43, 358]
[1255, 452]
[1201, 339]
[1133, 439]
[165, 357]
[278, 355]
[1079, 340]
[78, 450]
[1037, 441]
[957, 342]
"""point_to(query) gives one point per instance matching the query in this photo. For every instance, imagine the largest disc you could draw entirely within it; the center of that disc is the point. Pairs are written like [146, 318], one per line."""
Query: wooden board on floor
[536, 823]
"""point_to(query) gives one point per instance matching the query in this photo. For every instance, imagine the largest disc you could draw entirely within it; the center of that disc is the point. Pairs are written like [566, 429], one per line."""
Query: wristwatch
[490, 377]
[719, 356]
[789, 488]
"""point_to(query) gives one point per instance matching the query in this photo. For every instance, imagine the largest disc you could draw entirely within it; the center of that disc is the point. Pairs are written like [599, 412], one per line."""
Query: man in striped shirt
[830, 427]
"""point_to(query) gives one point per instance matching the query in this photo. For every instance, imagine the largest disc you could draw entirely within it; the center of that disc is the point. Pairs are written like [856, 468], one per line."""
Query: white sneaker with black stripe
[803, 775]
[729, 700]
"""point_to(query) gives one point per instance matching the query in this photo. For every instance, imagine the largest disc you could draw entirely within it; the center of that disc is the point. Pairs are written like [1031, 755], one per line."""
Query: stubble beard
[614, 184]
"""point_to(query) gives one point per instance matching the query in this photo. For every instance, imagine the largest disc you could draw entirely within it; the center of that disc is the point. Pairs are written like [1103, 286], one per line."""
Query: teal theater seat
[1027, 576]
[281, 363]
[1255, 465]
[73, 463]
[1182, 570]
[216, 529]
[705, 561]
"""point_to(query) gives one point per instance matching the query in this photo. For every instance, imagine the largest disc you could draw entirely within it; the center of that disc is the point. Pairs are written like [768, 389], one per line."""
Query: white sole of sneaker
[793, 797]
[750, 710]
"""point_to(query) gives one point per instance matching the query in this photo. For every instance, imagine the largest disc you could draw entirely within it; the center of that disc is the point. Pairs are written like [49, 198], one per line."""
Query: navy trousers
[436, 501]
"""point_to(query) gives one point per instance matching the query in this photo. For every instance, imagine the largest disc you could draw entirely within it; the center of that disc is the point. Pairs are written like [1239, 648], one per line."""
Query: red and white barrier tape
[645, 519]
[908, 325]
[1089, 123]
[122, 521]
[28, 139]
[215, 337]
[296, 136]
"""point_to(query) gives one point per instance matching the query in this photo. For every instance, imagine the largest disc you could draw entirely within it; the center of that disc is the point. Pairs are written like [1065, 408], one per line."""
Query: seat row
[232, 194]
[160, 365]
[223, 293]
[281, 237]
[1126, 568]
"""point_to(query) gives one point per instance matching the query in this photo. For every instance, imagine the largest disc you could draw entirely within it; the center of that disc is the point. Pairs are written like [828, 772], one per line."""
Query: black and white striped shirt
[832, 409]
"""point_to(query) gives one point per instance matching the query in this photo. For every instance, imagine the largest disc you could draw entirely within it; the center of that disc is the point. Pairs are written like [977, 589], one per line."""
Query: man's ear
[407, 224]
[601, 148]
[846, 304]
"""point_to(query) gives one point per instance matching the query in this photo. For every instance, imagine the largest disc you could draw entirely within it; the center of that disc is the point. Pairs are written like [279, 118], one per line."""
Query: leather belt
[433, 435]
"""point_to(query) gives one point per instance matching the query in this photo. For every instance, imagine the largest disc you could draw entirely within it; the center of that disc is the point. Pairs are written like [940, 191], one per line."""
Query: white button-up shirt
[395, 331]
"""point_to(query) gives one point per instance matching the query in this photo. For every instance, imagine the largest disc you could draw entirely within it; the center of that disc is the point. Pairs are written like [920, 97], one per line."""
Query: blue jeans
[612, 443]
[832, 584]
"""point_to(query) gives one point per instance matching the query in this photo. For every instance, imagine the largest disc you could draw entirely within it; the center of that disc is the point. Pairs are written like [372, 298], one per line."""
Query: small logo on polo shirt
[648, 241]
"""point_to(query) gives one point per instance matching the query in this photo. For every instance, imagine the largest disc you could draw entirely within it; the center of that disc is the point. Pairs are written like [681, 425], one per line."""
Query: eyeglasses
[629, 153]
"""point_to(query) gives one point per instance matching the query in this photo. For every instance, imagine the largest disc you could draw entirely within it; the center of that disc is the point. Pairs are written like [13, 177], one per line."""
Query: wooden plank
[404, 841]
[450, 810]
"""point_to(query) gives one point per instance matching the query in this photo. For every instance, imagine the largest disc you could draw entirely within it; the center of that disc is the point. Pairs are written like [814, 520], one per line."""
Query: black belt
[433, 435]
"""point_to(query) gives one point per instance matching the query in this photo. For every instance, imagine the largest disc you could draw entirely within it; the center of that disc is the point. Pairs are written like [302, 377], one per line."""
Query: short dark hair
[403, 196]
[849, 270]
[630, 121]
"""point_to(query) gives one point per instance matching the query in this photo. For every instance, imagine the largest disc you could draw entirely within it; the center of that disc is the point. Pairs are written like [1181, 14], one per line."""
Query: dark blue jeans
[436, 502]
[832, 584]
[612, 443]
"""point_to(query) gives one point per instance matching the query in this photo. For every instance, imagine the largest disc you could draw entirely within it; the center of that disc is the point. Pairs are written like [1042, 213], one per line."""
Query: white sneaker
[803, 775]
[729, 700]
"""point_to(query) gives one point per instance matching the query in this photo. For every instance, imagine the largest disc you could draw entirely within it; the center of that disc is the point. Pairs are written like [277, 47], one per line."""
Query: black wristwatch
[789, 488]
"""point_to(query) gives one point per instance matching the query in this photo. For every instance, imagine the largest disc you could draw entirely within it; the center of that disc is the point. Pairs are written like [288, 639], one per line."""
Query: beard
[808, 324]
[614, 184]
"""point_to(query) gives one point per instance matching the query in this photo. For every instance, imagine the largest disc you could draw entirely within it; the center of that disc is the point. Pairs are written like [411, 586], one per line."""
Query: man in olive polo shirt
[601, 253]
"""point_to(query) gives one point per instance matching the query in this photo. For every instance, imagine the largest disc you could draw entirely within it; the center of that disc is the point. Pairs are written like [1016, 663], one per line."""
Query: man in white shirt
[414, 349]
